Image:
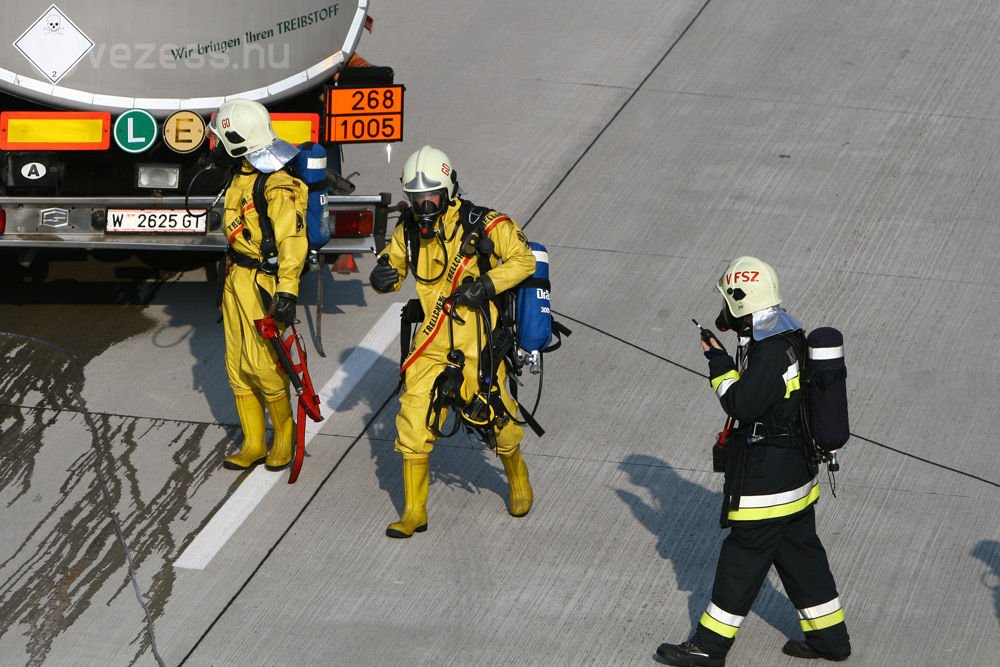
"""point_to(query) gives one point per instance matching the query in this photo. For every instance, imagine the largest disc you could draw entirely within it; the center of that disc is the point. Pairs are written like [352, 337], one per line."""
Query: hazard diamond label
[53, 44]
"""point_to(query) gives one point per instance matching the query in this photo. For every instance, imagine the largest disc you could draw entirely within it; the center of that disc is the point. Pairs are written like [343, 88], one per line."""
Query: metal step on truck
[103, 113]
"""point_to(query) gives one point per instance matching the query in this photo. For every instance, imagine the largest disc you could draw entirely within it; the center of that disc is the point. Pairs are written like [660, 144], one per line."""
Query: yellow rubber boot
[521, 496]
[416, 480]
[250, 408]
[280, 455]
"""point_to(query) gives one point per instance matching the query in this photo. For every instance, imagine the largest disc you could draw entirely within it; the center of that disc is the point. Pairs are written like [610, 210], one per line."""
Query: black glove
[283, 308]
[384, 276]
[475, 293]
[715, 352]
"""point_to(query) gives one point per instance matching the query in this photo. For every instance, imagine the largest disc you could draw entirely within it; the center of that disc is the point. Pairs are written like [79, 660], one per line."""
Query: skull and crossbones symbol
[53, 23]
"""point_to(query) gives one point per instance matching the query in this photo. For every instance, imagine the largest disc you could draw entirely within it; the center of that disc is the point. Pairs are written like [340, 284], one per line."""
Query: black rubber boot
[688, 654]
[800, 649]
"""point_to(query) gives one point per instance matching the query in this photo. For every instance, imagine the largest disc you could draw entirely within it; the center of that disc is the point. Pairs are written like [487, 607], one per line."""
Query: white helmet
[426, 172]
[244, 129]
[749, 285]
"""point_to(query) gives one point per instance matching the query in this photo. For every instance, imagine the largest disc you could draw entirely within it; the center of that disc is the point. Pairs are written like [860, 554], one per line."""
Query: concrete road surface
[853, 145]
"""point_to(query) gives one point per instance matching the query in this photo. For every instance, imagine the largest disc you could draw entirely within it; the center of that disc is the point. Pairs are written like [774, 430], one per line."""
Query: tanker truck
[103, 113]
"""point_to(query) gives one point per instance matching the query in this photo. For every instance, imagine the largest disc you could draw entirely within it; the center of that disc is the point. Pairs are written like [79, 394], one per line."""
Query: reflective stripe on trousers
[774, 505]
[821, 616]
[720, 621]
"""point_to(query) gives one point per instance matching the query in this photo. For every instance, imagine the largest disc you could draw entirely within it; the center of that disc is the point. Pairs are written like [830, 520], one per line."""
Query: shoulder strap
[558, 331]
[473, 221]
[268, 247]
[798, 349]
[796, 346]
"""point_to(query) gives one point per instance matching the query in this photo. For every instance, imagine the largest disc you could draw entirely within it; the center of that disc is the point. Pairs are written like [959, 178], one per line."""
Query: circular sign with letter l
[184, 131]
[135, 131]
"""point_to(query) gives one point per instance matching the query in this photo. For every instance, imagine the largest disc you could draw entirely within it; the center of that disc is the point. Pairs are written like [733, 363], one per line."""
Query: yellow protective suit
[512, 261]
[250, 362]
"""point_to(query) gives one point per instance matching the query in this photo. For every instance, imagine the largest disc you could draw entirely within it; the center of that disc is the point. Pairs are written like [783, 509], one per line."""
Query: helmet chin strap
[744, 326]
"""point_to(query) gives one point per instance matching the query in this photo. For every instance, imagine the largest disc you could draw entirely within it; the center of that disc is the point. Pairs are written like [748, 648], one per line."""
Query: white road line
[245, 499]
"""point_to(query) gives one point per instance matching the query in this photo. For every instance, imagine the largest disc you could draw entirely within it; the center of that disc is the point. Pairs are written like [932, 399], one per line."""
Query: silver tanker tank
[113, 55]
[103, 111]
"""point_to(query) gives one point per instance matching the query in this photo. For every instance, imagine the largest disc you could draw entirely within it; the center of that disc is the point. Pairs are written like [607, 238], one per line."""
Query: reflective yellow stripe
[791, 378]
[731, 376]
[56, 131]
[294, 132]
[809, 624]
[718, 627]
[755, 508]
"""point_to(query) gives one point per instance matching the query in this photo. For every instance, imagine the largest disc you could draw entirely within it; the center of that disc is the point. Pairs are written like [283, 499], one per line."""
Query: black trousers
[793, 547]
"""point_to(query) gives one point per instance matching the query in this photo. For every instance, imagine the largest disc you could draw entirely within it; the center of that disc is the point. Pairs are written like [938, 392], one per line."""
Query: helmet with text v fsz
[749, 285]
[429, 183]
[243, 127]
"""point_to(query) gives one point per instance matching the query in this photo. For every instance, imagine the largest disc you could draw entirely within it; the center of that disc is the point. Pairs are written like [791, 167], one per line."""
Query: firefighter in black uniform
[770, 483]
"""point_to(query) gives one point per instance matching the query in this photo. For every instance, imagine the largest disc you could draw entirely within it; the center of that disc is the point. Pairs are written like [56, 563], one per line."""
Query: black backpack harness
[268, 246]
[485, 412]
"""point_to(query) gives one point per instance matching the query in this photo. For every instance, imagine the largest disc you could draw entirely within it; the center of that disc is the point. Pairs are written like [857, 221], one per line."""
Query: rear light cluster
[351, 223]
[3, 221]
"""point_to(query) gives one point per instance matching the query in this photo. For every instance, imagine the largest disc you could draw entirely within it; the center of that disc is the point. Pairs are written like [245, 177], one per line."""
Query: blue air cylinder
[534, 311]
[826, 387]
[310, 166]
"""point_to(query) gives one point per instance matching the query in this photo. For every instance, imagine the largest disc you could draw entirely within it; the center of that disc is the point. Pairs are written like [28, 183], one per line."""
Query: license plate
[175, 221]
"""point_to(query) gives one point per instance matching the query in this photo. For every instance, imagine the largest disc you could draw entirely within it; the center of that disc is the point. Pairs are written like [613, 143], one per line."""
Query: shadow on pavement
[680, 514]
[988, 551]
[459, 461]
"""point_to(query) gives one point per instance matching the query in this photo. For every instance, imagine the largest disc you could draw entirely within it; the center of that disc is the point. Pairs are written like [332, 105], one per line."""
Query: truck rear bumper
[80, 222]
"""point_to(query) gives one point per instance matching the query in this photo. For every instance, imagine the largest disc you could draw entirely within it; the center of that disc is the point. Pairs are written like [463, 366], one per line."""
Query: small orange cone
[345, 264]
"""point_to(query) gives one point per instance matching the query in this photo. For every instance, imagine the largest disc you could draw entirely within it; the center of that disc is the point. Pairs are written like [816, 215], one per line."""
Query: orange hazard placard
[355, 115]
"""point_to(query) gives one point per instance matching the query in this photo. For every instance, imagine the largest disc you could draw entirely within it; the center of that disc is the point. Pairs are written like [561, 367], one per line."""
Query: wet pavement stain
[24, 372]
[86, 314]
[68, 556]
[84, 330]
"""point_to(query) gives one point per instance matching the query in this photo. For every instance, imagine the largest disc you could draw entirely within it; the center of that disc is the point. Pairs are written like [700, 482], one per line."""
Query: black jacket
[766, 454]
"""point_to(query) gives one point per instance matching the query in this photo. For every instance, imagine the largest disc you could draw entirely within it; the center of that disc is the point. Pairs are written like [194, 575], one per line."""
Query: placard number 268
[373, 99]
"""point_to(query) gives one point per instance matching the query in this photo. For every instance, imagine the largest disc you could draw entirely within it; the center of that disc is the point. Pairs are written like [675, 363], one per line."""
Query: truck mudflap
[166, 223]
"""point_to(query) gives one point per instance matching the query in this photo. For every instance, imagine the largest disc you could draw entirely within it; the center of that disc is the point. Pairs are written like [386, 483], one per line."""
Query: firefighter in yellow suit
[257, 285]
[443, 272]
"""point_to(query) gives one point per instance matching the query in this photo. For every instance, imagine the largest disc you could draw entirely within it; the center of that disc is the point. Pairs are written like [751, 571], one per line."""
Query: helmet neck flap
[773, 321]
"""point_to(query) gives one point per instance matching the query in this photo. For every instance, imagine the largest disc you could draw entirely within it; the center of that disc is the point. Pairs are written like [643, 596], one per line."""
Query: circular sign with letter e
[135, 131]
[184, 131]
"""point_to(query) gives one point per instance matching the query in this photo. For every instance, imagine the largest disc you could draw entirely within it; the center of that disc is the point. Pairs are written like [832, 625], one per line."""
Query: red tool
[298, 374]
[719, 449]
